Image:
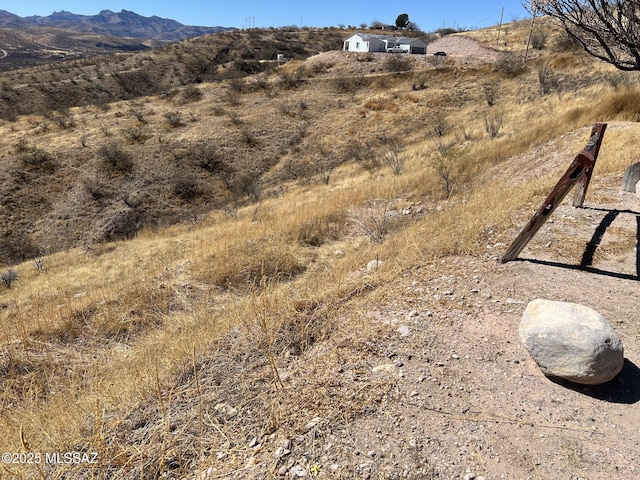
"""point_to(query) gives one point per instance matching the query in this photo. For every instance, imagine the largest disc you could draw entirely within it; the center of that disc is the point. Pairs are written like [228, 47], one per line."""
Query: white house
[369, 42]
[364, 42]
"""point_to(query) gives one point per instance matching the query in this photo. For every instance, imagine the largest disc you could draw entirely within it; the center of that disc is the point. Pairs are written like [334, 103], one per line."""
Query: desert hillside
[217, 265]
[66, 37]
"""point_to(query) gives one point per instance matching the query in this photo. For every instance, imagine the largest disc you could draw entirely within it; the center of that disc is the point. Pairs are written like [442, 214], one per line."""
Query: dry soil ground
[469, 399]
[462, 397]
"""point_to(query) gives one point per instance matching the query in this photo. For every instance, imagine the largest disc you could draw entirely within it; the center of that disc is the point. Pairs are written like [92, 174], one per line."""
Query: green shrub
[493, 124]
[39, 161]
[23, 146]
[350, 84]
[319, 230]
[116, 157]
[9, 277]
[547, 78]
[510, 65]
[174, 119]
[136, 135]
[191, 94]
[186, 188]
[249, 67]
[539, 39]
[397, 63]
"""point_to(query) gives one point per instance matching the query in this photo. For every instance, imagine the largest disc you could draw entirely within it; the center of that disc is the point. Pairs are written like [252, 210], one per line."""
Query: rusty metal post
[593, 147]
[577, 172]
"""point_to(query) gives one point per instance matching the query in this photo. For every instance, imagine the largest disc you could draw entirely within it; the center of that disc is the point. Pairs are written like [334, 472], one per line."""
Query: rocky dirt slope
[464, 49]
[448, 389]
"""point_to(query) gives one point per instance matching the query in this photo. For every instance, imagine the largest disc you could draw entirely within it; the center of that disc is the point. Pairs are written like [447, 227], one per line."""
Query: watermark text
[49, 458]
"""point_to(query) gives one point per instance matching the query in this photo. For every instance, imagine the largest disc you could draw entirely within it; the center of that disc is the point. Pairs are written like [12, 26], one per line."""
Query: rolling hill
[218, 265]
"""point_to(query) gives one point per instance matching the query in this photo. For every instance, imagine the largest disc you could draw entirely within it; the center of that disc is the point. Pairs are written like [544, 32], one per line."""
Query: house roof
[368, 36]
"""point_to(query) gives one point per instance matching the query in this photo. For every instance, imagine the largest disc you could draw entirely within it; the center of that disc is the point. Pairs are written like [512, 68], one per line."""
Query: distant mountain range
[36, 40]
[122, 24]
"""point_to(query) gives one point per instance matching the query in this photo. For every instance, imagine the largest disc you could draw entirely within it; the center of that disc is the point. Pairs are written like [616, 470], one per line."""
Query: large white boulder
[571, 341]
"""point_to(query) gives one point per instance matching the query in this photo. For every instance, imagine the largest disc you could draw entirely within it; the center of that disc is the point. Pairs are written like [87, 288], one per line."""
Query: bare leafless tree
[607, 29]
[445, 162]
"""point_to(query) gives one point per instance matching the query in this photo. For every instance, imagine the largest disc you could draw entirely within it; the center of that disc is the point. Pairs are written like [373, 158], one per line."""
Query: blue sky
[428, 15]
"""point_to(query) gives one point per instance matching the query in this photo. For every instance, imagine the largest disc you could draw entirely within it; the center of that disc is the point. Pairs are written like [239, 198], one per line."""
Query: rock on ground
[571, 341]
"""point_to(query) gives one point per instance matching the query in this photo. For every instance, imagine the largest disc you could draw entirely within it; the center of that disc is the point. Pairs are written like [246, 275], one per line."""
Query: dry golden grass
[133, 348]
[380, 103]
[513, 36]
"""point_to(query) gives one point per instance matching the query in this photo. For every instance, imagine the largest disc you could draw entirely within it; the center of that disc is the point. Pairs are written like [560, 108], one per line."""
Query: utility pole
[500, 26]
[533, 18]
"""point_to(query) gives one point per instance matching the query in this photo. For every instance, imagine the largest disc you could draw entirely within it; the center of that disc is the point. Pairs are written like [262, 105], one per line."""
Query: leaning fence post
[593, 147]
[579, 172]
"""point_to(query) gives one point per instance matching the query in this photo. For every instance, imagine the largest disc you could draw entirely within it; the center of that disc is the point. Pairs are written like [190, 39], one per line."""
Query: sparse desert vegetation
[184, 254]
